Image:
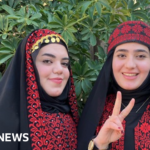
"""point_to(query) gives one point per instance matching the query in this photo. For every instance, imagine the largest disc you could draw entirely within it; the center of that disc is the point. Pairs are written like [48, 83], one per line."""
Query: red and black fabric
[141, 131]
[20, 107]
[129, 31]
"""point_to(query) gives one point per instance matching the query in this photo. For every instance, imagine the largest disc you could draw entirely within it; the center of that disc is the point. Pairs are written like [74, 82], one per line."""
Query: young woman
[37, 96]
[117, 112]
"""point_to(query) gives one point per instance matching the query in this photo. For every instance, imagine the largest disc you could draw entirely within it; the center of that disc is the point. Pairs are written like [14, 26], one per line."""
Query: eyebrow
[137, 50]
[53, 56]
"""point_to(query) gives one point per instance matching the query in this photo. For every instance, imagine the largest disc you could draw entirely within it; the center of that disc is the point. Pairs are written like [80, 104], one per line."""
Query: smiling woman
[117, 113]
[131, 65]
[37, 96]
[52, 64]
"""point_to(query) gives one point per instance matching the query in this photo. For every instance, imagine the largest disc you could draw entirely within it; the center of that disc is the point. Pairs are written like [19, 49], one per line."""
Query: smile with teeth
[130, 74]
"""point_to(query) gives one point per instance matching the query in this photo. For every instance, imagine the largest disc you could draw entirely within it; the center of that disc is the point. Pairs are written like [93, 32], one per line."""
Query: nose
[58, 69]
[130, 63]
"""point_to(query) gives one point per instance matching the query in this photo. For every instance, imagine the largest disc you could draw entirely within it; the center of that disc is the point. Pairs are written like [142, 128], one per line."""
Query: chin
[55, 93]
[130, 88]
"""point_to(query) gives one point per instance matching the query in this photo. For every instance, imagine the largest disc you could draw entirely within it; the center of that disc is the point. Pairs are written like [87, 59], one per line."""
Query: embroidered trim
[39, 125]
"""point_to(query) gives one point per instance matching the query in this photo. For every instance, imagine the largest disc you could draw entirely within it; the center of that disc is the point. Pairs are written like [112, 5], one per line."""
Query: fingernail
[122, 132]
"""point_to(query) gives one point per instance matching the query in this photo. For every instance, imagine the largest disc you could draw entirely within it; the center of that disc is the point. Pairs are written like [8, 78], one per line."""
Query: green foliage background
[85, 25]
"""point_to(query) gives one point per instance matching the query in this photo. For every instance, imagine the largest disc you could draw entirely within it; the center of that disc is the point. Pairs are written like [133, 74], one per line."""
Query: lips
[130, 76]
[56, 80]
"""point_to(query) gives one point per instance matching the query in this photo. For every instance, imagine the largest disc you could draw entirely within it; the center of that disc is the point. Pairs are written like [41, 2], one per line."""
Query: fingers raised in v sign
[126, 110]
[117, 106]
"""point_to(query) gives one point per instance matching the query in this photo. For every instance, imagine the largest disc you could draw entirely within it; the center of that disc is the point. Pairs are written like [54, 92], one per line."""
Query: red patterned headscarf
[130, 31]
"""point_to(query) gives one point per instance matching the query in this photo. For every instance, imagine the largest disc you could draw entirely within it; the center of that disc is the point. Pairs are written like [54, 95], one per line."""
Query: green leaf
[84, 86]
[85, 30]
[98, 7]
[3, 23]
[89, 73]
[21, 12]
[28, 22]
[72, 29]
[88, 83]
[64, 19]
[35, 23]
[130, 4]
[21, 20]
[91, 11]
[64, 1]
[93, 40]
[69, 35]
[95, 22]
[140, 15]
[8, 9]
[8, 44]
[86, 36]
[125, 11]
[54, 25]
[36, 16]
[85, 5]
[77, 87]
[135, 6]
[101, 52]
[119, 5]
[13, 17]
[84, 69]
[5, 57]
[65, 36]
[5, 50]
[105, 3]
[58, 20]
[4, 35]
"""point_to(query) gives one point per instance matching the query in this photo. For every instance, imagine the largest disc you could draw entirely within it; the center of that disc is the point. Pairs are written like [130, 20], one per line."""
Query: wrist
[99, 145]
[92, 146]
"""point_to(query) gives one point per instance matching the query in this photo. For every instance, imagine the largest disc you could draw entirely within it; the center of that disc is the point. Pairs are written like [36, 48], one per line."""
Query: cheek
[43, 71]
[116, 65]
[66, 74]
[144, 67]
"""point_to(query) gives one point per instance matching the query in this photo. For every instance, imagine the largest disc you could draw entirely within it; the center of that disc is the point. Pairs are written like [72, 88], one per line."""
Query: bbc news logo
[14, 137]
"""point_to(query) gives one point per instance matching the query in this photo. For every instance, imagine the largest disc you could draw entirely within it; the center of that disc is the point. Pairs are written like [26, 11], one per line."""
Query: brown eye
[47, 62]
[121, 55]
[141, 56]
[65, 64]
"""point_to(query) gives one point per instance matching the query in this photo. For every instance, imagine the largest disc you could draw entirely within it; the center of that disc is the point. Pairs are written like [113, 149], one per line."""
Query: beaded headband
[41, 36]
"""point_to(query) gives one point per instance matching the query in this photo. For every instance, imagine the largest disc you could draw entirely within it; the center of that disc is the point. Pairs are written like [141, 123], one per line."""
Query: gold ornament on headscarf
[47, 41]
[58, 39]
[54, 38]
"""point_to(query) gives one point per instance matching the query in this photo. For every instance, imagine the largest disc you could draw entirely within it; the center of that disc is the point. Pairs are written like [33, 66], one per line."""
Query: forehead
[131, 47]
[55, 49]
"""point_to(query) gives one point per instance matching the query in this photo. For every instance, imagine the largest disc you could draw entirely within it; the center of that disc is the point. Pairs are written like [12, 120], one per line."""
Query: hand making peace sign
[112, 129]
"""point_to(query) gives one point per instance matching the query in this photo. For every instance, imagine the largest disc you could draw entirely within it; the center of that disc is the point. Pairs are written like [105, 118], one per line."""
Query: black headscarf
[19, 95]
[130, 31]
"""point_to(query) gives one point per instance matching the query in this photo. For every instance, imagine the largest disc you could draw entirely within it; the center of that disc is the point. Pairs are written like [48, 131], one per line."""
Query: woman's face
[52, 64]
[131, 65]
